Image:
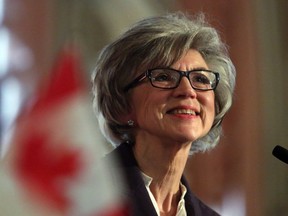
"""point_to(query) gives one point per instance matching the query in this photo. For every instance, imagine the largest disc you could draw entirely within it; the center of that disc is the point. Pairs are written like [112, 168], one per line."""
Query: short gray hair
[155, 42]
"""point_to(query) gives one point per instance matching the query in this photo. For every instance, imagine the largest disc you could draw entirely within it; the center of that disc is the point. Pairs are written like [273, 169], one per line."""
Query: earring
[130, 123]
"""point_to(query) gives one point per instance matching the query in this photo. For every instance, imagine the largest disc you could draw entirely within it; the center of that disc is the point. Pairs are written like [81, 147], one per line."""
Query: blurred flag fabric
[53, 165]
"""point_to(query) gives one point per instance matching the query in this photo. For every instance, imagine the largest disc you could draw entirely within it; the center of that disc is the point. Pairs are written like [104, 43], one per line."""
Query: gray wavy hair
[155, 42]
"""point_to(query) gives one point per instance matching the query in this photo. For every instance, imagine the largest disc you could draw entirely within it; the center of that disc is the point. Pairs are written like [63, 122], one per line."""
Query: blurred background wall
[240, 177]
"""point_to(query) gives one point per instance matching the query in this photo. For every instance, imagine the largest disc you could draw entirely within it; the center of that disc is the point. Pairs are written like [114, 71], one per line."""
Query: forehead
[192, 59]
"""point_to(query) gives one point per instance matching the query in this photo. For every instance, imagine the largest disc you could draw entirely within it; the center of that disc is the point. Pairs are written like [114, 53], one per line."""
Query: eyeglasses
[168, 78]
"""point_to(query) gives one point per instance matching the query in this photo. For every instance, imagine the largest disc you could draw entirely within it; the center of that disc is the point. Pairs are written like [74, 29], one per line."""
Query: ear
[128, 115]
[125, 118]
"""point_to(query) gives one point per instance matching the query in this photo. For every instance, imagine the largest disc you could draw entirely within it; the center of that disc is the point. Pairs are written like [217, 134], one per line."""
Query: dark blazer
[137, 193]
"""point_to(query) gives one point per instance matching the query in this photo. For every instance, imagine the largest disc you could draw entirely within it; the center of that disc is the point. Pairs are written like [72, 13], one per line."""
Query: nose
[185, 89]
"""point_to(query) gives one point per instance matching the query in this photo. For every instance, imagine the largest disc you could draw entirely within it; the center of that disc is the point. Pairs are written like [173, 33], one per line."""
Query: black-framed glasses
[168, 78]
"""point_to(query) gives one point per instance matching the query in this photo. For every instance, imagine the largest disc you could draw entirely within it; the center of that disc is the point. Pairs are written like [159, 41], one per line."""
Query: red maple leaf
[45, 170]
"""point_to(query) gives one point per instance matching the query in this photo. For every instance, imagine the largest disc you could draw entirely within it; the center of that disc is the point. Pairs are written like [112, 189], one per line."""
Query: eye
[163, 76]
[201, 78]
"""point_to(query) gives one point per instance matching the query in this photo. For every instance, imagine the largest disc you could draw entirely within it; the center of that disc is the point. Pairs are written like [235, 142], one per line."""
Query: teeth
[183, 111]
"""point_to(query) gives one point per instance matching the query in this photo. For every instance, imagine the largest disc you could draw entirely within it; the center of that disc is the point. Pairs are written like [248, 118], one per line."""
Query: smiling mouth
[183, 112]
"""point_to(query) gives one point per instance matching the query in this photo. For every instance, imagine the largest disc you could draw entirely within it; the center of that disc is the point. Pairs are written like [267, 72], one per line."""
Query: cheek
[140, 105]
[208, 105]
[147, 107]
[212, 106]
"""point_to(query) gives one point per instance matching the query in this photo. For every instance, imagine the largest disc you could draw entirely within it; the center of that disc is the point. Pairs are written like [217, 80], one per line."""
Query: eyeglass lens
[168, 78]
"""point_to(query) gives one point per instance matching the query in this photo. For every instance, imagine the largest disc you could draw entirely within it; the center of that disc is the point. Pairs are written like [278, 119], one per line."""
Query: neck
[165, 163]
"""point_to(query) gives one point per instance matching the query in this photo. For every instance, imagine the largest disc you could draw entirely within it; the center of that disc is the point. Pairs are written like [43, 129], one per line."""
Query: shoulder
[125, 163]
[123, 153]
[135, 190]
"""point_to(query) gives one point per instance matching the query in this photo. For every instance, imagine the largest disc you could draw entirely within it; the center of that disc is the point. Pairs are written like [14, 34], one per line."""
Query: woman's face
[176, 115]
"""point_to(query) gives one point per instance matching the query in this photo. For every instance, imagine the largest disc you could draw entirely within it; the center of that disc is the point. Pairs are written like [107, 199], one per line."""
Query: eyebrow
[196, 68]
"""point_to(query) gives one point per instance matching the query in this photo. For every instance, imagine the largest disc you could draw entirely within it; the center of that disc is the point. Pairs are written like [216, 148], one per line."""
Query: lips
[183, 111]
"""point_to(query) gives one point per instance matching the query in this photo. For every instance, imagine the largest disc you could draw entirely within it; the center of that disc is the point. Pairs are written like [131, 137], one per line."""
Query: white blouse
[181, 211]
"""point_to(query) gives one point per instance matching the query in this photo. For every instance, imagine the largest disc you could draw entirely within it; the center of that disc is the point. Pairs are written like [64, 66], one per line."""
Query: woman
[162, 89]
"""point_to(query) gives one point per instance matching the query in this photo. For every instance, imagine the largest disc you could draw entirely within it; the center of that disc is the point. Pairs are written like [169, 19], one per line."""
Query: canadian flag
[54, 166]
